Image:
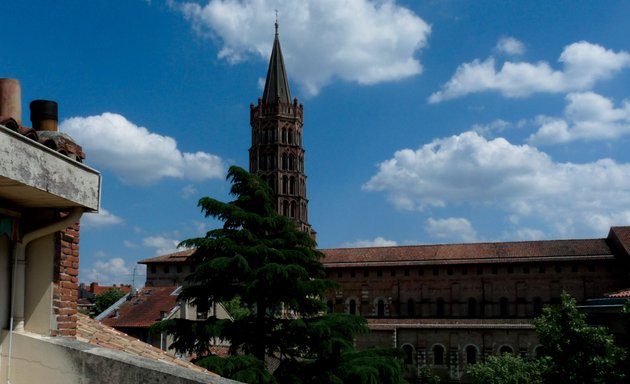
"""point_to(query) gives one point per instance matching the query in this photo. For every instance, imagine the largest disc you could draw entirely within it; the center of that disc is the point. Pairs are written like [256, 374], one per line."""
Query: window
[542, 269]
[153, 269]
[504, 307]
[380, 308]
[352, 307]
[166, 269]
[471, 354]
[472, 307]
[179, 268]
[329, 305]
[510, 269]
[408, 350]
[464, 271]
[526, 269]
[379, 273]
[411, 307]
[480, 271]
[558, 269]
[202, 315]
[353, 274]
[495, 270]
[339, 274]
[392, 272]
[537, 306]
[438, 355]
[366, 273]
[406, 272]
[439, 307]
[436, 271]
[505, 349]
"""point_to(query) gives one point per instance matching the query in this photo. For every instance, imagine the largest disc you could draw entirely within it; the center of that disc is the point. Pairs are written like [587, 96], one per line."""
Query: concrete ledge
[33, 175]
[38, 359]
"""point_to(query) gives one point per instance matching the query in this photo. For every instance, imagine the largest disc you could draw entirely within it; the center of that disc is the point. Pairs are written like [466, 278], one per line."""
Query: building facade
[447, 306]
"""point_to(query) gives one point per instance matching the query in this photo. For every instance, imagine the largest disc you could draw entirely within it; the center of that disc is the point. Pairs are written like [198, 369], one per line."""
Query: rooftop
[144, 308]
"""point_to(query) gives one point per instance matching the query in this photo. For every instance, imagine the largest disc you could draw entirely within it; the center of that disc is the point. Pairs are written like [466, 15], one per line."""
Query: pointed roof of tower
[277, 84]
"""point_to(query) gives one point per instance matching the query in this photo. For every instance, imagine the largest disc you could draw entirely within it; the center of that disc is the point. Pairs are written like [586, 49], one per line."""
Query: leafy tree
[577, 352]
[507, 369]
[259, 261]
[107, 299]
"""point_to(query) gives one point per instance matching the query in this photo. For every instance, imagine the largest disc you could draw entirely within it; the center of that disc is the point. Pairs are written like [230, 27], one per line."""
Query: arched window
[284, 135]
[352, 307]
[408, 350]
[471, 354]
[438, 355]
[290, 136]
[411, 307]
[293, 209]
[380, 308]
[504, 307]
[285, 161]
[285, 184]
[285, 208]
[439, 307]
[292, 163]
[292, 185]
[472, 307]
[505, 349]
[538, 306]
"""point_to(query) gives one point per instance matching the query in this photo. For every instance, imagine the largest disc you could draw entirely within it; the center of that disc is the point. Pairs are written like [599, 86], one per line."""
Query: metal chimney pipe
[44, 115]
[11, 99]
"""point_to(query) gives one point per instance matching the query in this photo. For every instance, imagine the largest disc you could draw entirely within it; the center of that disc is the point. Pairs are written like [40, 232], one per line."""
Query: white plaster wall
[39, 288]
[5, 282]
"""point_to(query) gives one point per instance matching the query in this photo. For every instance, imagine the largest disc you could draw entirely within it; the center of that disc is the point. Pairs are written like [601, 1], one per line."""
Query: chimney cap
[44, 110]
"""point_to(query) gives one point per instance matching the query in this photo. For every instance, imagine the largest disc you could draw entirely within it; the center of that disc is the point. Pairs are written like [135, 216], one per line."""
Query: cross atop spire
[277, 83]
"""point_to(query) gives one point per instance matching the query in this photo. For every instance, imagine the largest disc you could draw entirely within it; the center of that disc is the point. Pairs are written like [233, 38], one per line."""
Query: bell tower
[276, 154]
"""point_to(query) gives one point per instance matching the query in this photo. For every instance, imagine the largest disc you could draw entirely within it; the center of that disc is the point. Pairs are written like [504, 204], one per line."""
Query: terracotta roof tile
[468, 253]
[620, 294]
[96, 333]
[175, 257]
[144, 309]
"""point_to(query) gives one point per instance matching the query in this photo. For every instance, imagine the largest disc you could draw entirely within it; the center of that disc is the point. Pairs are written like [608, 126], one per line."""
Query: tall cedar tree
[260, 259]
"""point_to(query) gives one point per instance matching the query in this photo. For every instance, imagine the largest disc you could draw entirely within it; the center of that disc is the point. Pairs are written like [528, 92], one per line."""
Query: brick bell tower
[276, 154]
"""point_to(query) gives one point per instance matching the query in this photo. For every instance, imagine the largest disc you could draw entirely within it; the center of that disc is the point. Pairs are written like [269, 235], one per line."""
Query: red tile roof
[620, 294]
[144, 308]
[176, 257]
[468, 253]
[620, 237]
[96, 333]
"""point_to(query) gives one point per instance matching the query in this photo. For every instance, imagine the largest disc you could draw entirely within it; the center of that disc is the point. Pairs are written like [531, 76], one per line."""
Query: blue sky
[425, 122]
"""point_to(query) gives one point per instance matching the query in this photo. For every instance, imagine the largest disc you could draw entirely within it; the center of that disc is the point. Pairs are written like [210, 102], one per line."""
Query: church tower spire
[276, 154]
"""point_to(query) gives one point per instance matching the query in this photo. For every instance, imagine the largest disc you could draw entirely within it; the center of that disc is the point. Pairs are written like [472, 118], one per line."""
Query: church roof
[277, 83]
[551, 250]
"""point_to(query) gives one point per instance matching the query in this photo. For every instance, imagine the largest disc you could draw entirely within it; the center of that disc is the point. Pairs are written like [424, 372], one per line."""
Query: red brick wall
[65, 281]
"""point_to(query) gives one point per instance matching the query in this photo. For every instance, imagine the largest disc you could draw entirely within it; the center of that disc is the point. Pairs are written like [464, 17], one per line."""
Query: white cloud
[360, 41]
[487, 130]
[189, 191]
[453, 228]
[376, 242]
[510, 46]
[135, 154]
[100, 219]
[587, 116]
[584, 64]
[162, 244]
[112, 271]
[519, 180]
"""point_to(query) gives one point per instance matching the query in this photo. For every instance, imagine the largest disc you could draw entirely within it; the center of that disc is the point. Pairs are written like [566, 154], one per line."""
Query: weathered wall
[39, 359]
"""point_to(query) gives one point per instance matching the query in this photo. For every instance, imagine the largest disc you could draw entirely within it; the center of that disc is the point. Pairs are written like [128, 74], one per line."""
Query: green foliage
[107, 299]
[236, 309]
[577, 353]
[507, 369]
[426, 375]
[244, 368]
[269, 276]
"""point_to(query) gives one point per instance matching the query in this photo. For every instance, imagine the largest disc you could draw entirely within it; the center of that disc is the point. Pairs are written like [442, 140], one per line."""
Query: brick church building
[445, 306]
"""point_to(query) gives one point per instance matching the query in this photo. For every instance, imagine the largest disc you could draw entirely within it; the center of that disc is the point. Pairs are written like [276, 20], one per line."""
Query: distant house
[44, 190]
[158, 301]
